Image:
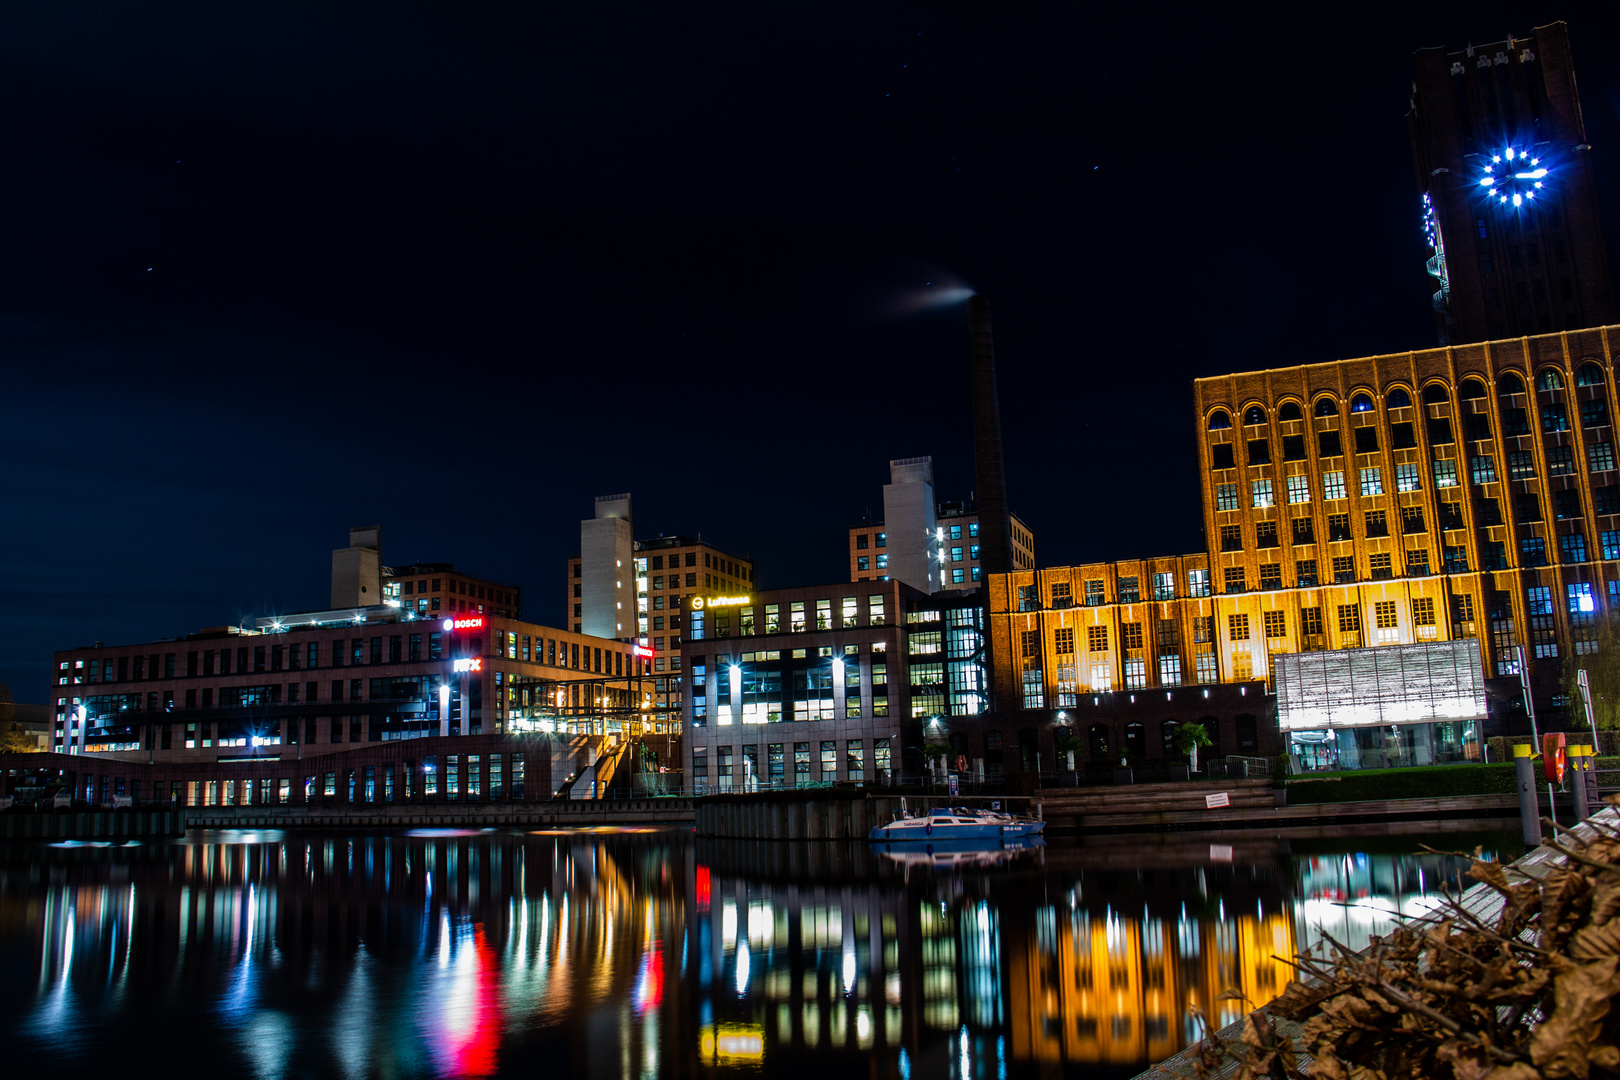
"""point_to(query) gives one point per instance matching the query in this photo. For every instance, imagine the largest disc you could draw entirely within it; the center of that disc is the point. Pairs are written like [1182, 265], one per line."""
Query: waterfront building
[309, 690]
[667, 571]
[1509, 200]
[941, 548]
[1462, 503]
[825, 684]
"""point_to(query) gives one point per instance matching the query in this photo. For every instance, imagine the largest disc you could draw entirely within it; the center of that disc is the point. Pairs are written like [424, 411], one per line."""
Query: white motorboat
[956, 823]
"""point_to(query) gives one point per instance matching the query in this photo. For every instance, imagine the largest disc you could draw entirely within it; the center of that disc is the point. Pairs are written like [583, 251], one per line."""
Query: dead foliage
[1523, 995]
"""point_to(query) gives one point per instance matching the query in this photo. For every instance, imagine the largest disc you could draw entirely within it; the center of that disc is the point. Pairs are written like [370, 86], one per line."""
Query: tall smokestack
[989, 467]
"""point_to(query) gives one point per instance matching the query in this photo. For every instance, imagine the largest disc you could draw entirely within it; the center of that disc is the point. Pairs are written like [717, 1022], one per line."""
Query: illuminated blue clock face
[1513, 178]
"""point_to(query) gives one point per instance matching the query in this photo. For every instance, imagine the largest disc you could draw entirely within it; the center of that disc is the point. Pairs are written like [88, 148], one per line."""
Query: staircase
[1148, 807]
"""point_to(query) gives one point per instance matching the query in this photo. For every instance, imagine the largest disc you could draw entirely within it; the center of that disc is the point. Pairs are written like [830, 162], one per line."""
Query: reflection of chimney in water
[989, 467]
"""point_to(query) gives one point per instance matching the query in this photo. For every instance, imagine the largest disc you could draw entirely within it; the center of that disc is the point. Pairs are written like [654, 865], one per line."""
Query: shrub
[1422, 782]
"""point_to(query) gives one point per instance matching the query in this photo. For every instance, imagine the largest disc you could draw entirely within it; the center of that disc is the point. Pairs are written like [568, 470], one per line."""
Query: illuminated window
[1554, 417]
[1372, 481]
[1600, 456]
[1538, 606]
[1299, 488]
[1533, 551]
[1164, 586]
[1260, 493]
[1276, 624]
[1385, 621]
[1198, 583]
[882, 539]
[1406, 477]
[1226, 497]
[1094, 593]
[1129, 591]
[1445, 473]
[1333, 485]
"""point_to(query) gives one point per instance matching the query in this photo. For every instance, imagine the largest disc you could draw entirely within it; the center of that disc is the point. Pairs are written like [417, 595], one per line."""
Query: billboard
[1394, 684]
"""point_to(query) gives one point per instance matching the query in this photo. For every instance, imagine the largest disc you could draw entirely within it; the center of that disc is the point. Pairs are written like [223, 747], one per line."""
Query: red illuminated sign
[474, 623]
[641, 650]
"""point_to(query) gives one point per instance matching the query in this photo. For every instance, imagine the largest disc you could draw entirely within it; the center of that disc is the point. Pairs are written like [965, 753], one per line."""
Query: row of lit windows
[1548, 380]
[1130, 591]
[396, 589]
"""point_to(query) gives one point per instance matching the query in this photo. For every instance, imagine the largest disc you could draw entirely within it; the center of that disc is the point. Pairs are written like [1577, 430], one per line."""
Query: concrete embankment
[109, 824]
[93, 825]
[1248, 804]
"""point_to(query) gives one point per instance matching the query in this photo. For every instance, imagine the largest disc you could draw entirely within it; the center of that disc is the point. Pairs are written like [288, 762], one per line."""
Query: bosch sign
[474, 623]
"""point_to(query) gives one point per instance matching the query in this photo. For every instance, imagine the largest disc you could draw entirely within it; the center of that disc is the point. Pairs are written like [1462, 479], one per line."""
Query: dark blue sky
[270, 270]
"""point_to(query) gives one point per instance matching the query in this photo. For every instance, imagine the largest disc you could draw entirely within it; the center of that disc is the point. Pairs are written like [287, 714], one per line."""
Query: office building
[667, 570]
[825, 684]
[931, 546]
[458, 701]
[1460, 503]
[1509, 200]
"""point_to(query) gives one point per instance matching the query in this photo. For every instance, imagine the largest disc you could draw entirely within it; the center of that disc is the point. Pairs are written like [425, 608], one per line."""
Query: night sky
[271, 270]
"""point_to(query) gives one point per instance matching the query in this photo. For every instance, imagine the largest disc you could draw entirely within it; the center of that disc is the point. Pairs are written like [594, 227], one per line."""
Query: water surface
[648, 953]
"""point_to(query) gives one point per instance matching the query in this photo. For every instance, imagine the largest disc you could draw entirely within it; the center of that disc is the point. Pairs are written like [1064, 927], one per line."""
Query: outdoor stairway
[1149, 806]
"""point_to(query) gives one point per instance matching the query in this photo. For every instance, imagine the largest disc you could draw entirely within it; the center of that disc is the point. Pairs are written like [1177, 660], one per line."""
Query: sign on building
[1394, 684]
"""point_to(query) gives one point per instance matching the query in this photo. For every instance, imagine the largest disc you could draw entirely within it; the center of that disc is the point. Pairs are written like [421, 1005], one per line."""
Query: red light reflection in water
[471, 1032]
[650, 979]
[703, 888]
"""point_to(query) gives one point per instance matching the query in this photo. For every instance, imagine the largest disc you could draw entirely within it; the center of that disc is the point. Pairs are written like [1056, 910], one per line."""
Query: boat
[956, 823]
[959, 854]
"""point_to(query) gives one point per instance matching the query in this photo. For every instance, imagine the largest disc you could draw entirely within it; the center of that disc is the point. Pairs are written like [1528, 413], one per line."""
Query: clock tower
[1508, 201]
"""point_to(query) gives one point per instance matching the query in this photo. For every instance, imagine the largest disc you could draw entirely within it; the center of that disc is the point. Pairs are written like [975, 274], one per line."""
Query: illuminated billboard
[1395, 684]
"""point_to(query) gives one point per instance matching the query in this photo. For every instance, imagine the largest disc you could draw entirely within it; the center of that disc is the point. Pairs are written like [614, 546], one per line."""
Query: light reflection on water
[648, 954]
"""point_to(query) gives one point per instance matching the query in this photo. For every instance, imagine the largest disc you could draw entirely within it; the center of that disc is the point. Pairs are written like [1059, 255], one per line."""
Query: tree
[14, 740]
[1602, 667]
[1189, 737]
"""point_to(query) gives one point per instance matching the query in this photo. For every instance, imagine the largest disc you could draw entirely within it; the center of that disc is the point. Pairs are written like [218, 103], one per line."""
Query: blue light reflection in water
[647, 954]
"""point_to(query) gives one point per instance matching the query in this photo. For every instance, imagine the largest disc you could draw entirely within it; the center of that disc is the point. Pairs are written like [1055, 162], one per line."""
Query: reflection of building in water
[371, 954]
[1098, 986]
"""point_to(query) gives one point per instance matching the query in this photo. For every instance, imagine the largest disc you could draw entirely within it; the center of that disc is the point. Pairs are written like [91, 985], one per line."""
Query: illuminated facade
[825, 684]
[669, 570]
[1459, 494]
[1509, 202]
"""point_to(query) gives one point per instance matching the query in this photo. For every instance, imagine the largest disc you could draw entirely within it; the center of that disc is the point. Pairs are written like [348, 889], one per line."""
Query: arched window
[1218, 420]
[1289, 410]
[1509, 383]
[1254, 414]
[1435, 394]
[1168, 731]
[1097, 742]
[1361, 403]
[1398, 399]
[1589, 374]
[1549, 379]
[1473, 388]
[1136, 739]
[1326, 406]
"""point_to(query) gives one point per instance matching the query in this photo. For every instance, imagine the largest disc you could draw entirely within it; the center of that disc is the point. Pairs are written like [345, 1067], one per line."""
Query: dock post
[1529, 804]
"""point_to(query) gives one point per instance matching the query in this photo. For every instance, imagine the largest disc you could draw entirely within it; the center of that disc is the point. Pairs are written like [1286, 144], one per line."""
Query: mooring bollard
[1529, 805]
[1580, 767]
